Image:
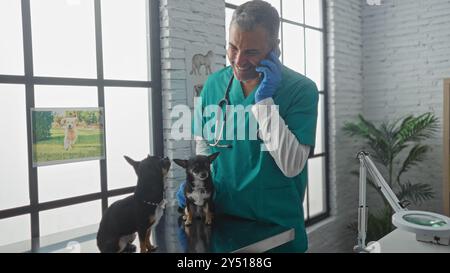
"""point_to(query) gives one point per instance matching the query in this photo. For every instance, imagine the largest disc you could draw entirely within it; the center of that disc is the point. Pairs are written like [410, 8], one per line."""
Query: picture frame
[65, 135]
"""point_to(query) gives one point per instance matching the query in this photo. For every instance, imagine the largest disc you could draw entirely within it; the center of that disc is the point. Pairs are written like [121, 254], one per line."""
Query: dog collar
[161, 203]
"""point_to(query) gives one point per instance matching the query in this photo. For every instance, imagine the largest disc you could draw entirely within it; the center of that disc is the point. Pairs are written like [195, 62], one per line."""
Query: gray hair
[257, 13]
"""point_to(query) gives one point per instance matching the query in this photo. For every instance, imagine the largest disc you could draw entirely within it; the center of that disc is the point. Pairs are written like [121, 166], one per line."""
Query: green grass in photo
[89, 144]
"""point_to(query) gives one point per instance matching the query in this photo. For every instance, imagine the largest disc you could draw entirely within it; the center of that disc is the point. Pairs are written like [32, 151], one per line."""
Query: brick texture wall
[183, 23]
[406, 57]
[345, 102]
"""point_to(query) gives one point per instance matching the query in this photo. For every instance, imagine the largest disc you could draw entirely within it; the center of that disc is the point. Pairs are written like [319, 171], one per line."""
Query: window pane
[65, 96]
[293, 10]
[293, 52]
[13, 147]
[68, 180]
[314, 57]
[63, 38]
[313, 13]
[11, 45]
[71, 217]
[320, 137]
[125, 48]
[316, 185]
[14, 230]
[127, 132]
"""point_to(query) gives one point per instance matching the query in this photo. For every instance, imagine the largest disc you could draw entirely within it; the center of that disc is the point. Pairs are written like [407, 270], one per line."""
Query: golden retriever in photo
[70, 132]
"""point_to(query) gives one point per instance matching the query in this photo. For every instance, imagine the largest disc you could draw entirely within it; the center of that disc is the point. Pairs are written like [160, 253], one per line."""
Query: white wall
[406, 57]
[345, 102]
[384, 62]
[194, 22]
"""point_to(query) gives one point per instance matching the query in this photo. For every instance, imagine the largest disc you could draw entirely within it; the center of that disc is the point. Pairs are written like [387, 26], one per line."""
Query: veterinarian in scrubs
[252, 182]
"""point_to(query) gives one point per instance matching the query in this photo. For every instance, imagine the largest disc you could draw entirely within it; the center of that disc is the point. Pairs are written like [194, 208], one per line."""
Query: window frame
[317, 218]
[29, 81]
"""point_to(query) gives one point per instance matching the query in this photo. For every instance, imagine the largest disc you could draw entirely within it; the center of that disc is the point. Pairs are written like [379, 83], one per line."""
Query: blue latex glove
[271, 69]
[180, 196]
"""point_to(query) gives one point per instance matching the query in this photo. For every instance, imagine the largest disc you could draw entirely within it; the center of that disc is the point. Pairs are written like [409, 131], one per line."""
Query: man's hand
[180, 196]
[271, 69]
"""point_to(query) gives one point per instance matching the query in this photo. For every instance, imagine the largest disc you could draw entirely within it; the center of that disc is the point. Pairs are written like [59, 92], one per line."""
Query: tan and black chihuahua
[199, 189]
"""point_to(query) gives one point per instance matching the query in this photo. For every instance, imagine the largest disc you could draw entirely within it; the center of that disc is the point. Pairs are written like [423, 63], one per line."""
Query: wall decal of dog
[70, 131]
[199, 60]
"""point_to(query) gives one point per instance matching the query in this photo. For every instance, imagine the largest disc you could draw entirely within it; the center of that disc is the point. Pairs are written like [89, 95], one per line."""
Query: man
[261, 184]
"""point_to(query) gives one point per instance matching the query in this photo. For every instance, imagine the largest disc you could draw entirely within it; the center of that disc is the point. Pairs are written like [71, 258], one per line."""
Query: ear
[181, 162]
[213, 156]
[133, 163]
[63, 121]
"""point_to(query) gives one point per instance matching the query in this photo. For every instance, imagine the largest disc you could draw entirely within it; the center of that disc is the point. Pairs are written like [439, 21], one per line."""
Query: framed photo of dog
[63, 135]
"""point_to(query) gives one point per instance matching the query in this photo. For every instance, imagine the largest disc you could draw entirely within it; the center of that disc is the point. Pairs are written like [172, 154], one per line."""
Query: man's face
[246, 49]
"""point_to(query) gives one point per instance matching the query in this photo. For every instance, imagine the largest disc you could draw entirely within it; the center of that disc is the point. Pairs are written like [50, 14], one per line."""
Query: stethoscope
[218, 134]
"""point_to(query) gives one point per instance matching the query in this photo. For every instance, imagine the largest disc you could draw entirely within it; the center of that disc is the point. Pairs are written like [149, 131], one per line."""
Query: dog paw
[188, 222]
[152, 248]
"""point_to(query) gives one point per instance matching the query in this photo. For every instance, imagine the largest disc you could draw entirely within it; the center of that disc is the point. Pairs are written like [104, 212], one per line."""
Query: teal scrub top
[247, 181]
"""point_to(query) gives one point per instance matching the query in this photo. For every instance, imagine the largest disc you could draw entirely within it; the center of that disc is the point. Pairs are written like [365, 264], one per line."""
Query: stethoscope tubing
[223, 102]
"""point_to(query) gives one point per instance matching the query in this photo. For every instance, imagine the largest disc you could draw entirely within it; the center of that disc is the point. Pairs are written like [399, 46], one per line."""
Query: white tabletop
[400, 241]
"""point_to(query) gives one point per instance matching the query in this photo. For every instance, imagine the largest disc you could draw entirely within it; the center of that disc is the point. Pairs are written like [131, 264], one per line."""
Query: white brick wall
[344, 31]
[193, 22]
[406, 56]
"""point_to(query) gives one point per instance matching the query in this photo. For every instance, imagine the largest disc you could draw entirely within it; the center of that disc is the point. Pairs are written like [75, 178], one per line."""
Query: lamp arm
[382, 184]
[366, 164]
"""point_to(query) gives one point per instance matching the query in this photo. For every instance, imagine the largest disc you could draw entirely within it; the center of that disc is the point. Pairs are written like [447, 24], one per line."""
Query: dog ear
[63, 121]
[133, 163]
[213, 156]
[181, 162]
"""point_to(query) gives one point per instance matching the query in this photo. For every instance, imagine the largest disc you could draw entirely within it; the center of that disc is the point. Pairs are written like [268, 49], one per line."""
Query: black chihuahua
[199, 188]
[137, 212]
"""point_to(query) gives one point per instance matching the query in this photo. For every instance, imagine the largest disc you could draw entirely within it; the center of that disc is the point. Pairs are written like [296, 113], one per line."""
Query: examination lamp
[428, 227]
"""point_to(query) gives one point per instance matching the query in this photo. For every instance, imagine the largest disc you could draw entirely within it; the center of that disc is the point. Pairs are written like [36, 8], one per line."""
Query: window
[75, 53]
[302, 45]
[11, 49]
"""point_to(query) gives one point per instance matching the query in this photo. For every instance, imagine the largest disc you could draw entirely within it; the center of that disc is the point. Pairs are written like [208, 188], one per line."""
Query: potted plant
[396, 147]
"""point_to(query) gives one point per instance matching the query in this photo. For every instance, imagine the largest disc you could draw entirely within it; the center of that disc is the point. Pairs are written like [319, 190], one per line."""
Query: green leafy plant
[397, 146]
